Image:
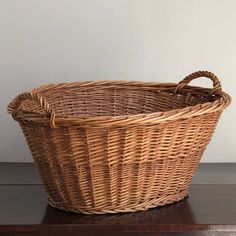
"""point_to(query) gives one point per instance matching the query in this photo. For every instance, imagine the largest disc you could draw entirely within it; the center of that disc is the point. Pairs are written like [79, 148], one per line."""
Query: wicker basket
[118, 146]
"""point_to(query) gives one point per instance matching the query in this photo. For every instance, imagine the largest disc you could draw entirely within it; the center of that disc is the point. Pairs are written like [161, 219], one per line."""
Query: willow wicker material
[118, 146]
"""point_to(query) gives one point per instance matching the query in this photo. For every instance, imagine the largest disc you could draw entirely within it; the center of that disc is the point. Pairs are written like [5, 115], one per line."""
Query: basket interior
[111, 101]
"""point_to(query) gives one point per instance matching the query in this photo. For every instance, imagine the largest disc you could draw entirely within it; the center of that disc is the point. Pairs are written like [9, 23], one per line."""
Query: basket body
[94, 170]
[98, 169]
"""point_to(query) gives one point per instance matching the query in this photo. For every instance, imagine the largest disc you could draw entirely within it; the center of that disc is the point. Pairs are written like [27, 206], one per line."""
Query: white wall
[154, 40]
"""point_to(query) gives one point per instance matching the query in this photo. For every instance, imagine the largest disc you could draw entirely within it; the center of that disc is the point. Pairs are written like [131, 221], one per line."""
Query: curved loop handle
[216, 83]
[14, 106]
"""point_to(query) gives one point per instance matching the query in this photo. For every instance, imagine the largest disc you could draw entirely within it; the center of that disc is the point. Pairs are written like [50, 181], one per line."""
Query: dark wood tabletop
[210, 209]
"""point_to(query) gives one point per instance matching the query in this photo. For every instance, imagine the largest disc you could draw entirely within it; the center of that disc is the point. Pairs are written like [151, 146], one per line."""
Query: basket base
[161, 201]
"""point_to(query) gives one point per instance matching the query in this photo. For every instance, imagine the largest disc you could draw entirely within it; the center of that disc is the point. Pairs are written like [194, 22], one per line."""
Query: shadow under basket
[118, 146]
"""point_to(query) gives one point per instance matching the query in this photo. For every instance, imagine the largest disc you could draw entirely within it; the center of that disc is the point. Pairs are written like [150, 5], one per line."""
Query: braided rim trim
[120, 121]
[161, 201]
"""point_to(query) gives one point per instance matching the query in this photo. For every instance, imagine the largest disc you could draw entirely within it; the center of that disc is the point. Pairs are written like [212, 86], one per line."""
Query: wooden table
[209, 210]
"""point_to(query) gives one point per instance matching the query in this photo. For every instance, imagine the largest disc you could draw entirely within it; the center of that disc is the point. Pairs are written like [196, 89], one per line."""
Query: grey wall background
[152, 40]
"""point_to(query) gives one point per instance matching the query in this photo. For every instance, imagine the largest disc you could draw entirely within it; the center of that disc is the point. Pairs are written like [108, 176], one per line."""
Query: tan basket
[118, 146]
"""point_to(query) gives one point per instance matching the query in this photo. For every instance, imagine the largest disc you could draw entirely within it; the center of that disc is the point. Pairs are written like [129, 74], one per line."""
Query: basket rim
[222, 101]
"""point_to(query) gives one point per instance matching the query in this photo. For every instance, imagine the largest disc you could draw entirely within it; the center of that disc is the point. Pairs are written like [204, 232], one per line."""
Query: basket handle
[216, 83]
[14, 106]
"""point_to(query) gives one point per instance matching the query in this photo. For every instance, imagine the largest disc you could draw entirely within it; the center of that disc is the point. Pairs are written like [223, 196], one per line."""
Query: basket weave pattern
[115, 146]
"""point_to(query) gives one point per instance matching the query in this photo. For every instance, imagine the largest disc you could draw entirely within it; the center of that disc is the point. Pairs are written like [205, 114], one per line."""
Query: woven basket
[118, 146]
